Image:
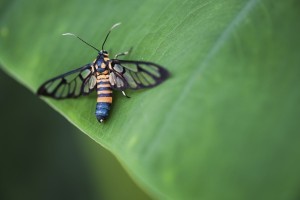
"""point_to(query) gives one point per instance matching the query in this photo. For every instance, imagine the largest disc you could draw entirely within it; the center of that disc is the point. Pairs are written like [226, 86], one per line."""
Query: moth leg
[125, 94]
[124, 53]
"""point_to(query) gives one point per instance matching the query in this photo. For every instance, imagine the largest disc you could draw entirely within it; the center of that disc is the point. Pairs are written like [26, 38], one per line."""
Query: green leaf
[224, 126]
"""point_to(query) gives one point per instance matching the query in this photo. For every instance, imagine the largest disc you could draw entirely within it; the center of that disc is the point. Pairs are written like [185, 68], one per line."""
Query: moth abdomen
[104, 99]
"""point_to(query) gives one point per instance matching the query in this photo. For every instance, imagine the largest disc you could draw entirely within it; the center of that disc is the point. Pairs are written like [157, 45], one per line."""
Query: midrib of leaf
[202, 67]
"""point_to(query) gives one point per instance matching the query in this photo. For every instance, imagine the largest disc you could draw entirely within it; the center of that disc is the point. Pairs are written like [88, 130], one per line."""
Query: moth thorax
[104, 72]
[102, 69]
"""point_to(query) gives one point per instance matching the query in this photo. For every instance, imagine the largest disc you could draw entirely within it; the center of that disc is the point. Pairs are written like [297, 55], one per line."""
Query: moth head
[104, 53]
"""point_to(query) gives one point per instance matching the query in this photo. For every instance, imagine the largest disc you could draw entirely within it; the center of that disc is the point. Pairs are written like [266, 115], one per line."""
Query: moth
[104, 75]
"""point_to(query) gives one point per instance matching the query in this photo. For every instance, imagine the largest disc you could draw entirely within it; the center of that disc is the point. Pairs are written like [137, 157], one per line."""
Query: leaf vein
[202, 66]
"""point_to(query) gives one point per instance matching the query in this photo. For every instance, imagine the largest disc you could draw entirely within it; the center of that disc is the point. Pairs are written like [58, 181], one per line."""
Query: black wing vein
[136, 74]
[69, 85]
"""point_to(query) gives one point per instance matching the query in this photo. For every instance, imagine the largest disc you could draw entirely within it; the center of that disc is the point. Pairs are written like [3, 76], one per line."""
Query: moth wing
[73, 84]
[136, 74]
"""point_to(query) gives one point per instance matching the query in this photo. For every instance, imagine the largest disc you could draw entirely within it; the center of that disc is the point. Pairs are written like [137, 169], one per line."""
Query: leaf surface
[224, 126]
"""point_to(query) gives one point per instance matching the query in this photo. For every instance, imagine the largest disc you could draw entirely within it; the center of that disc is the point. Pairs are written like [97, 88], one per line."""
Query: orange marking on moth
[103, 65]
[105, 72]
[103, 76]
[104, 85]
[104, 92]
[104, 99]
[104, 81]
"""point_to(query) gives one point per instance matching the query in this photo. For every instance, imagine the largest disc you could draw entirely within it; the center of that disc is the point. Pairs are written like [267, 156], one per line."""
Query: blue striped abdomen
[102, 111]
[104, 99]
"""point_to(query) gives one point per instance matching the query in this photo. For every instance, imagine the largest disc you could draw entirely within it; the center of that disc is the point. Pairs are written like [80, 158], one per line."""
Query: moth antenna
[72, 34]
[114, 26]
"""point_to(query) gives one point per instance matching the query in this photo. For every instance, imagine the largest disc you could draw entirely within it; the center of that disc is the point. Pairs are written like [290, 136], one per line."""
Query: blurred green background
[44, 157]
[224, 126]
